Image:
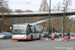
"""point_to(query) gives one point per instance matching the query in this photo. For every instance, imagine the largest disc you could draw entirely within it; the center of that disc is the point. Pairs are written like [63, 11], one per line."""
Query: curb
[58, 39]
[55, 40]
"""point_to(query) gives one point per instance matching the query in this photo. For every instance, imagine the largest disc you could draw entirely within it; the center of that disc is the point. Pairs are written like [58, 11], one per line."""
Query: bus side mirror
[10, 27]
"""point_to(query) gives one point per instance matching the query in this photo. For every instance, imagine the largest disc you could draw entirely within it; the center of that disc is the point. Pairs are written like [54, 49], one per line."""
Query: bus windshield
[19, 29]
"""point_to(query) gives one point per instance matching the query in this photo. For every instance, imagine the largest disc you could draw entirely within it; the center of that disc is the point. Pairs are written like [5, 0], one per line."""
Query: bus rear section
[26, 32]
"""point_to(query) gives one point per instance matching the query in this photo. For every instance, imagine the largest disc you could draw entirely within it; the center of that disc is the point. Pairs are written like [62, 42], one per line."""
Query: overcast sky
[33, 4]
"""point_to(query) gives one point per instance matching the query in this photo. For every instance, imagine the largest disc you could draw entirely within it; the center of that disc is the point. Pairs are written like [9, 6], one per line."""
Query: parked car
[72, 34]
[65, 34]
[45, 34]
[5, 35]
[60, 34]
[55, 35]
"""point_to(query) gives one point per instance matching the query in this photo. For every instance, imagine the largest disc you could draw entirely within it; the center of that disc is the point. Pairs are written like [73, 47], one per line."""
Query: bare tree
[28, 11]
[18, 10]
[54, 8]
[58, 6]
[66, 3]
[44, 6]
[4, 8]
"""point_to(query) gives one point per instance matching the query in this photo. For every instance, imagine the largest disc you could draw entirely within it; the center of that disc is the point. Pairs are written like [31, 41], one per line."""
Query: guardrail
[21, 13]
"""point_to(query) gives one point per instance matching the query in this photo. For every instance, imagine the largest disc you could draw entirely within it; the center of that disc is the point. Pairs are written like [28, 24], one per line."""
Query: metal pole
[46, 25]
[63, 21]
[49, 18]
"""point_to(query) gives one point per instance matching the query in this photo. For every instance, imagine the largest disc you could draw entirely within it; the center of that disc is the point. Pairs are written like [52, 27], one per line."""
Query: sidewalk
[56, 39]
[61, 39]
[72, 37]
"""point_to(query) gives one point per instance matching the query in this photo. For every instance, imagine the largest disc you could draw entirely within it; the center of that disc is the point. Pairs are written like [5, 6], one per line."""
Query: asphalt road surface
[43, 44]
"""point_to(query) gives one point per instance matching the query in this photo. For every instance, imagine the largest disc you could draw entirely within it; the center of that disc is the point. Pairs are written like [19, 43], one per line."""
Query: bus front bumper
[19, 38]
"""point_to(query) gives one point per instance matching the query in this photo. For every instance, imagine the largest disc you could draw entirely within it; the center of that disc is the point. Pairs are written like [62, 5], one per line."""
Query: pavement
[42, 44]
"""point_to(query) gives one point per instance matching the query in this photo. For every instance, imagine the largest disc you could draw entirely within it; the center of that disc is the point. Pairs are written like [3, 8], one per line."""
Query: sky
[34, 5]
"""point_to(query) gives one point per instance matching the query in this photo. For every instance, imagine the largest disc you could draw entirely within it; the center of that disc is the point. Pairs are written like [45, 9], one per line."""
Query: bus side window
[32, 29]
[35, 29]
[28, 29]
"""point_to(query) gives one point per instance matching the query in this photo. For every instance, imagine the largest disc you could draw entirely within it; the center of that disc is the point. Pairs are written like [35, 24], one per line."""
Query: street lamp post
[63, 21]
[49, 18]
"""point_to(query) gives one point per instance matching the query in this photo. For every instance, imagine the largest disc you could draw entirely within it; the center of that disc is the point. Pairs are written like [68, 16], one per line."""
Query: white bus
[26, 31]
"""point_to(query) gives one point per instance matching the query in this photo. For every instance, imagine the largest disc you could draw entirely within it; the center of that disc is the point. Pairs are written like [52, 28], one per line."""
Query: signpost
[63, 21]
[49, 19]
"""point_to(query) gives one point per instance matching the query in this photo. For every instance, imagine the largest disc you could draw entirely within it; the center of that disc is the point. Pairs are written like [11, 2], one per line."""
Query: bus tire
[19, 40]
[31, 37]
[39, 37]
[10, 37]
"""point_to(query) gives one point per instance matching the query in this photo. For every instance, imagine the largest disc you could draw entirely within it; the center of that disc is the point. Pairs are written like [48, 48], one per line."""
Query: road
[43, 44]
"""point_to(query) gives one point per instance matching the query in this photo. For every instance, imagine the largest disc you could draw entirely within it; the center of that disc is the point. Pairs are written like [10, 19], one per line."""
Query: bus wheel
[19, 40]
[10, 37]
[39, 37]
[31, 37]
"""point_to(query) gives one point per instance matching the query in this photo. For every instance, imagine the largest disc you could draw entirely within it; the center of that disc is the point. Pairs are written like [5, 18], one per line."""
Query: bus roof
[25, 24]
